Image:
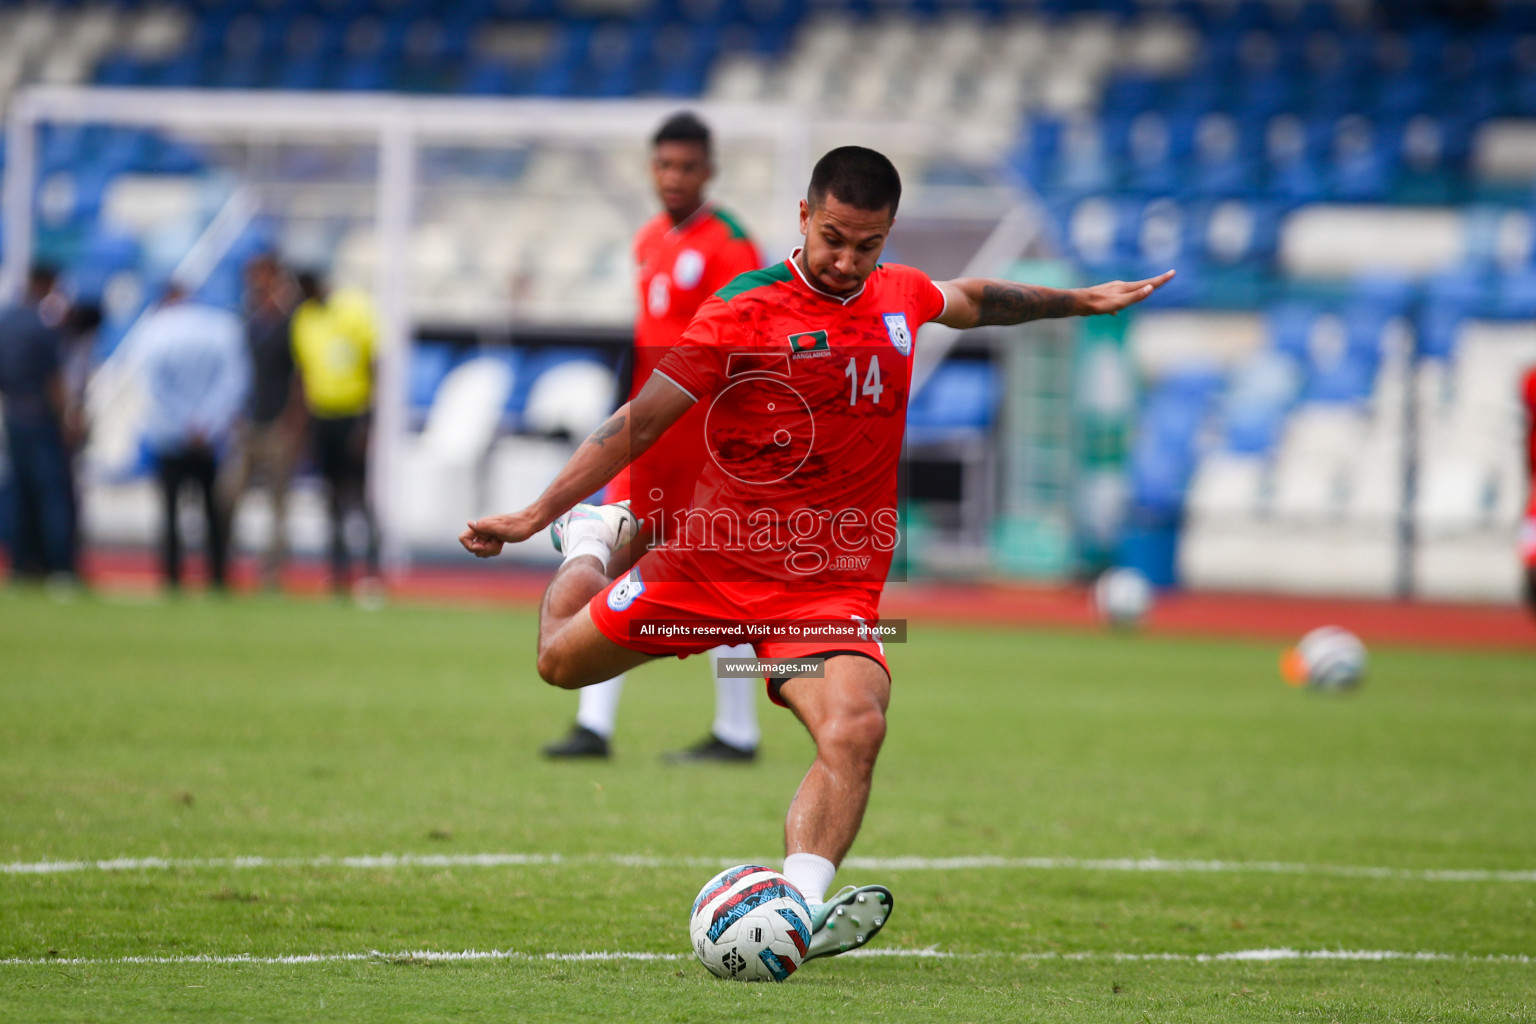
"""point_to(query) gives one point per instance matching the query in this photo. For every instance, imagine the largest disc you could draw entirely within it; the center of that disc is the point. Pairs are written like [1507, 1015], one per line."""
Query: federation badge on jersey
[896, 328]
[688, 269]
[623, 593]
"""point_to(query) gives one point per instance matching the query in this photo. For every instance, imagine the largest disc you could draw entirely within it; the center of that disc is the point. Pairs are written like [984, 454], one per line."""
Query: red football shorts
[1528, 540]
[651, 609]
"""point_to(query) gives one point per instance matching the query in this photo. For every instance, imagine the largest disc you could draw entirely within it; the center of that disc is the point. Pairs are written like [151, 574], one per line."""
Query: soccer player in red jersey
[803, 370]
[1528, 526]
[684, 254]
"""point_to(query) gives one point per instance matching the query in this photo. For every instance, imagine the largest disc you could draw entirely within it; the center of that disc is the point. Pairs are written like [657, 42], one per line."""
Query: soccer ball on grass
[1122, 597]
[750, 923]
[1327, 658]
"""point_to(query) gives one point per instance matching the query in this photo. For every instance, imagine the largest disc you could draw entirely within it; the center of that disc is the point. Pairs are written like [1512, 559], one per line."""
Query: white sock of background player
[735, 701]
[598, 706]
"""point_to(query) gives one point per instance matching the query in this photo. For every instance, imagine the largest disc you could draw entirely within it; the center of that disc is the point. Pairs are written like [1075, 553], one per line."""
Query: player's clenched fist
[485, 538]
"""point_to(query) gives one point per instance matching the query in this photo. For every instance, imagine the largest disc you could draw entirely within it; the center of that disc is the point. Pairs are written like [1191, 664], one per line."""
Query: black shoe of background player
[582, 742]
[712, 748]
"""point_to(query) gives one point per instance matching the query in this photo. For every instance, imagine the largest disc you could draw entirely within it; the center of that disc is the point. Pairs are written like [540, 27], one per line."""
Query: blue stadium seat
[1390, 293]
[224, 287]
[1254, 407]
[1514, 294]
[1466, 291]
[1232, 174]
[301, 72]
[1081, 166]
[1296, 179]
[1364, 327]
[527, 366]
[1363, 164]
[1034, 154]
[362, 74]
[961, 396]
[1399, 95]
[1262, 96]
[1290, 328]
[103, 254]
[1159, 475]
[1130, 94]
[1196, 93]
[121, 69]
[678, 65]
[1234, 232]
[188, 69]
[1351, 379]
[488, 77]
[556, 73]
[429, 364]
[612, 60]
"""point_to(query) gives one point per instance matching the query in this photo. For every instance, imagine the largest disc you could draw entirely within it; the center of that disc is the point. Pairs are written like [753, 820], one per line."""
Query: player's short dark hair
[860, 177]
[683, 126]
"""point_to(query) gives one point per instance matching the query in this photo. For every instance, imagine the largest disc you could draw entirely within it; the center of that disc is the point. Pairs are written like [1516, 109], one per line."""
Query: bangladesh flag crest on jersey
[809, 344]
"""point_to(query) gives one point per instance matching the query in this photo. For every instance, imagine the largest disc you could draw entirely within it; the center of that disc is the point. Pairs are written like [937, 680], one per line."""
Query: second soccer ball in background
[1123, 597]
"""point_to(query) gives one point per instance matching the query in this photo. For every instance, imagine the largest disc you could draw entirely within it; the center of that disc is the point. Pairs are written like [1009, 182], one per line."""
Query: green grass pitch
[1066, 770]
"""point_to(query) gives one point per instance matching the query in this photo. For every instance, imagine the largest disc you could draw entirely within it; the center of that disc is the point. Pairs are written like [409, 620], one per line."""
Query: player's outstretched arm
[982, 301]
[618, 442]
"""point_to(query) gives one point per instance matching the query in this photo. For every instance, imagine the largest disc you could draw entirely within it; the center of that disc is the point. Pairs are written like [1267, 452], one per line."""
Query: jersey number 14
[872, 388]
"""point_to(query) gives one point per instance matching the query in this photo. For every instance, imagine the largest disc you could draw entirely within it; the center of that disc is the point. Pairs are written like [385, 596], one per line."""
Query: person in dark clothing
[268, 442]
[39, 433]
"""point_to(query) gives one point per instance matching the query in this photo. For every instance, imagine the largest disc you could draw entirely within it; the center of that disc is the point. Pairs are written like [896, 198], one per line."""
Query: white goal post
[399, 128]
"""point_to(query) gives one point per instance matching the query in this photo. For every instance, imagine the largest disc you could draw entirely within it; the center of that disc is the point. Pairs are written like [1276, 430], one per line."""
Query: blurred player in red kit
[684, 255]
[1528, 525]
[803, 370]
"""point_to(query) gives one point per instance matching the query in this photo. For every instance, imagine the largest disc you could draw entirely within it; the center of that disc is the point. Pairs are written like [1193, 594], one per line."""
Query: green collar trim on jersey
[776, 274]
[734, 226]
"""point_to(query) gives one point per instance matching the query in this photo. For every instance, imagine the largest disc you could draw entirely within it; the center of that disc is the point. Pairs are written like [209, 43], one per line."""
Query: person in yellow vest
[334, 336]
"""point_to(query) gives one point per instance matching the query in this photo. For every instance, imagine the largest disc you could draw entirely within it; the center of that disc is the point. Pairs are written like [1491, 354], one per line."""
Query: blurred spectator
[267, 443]
[333, 346]
[40, 430]
[82, 323]
[191, 359]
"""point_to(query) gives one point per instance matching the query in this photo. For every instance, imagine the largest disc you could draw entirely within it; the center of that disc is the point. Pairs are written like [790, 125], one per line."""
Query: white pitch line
[930, 953]
[497, 860]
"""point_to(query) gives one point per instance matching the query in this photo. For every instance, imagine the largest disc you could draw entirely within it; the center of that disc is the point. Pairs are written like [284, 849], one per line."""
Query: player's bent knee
[855, 736]
[557, 666]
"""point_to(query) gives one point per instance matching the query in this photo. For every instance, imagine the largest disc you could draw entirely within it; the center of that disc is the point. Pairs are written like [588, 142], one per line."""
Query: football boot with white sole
[849, 919]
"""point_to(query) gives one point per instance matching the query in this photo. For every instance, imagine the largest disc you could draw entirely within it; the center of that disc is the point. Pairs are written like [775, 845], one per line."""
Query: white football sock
[598, 707]
[735, 701]
[810, 874]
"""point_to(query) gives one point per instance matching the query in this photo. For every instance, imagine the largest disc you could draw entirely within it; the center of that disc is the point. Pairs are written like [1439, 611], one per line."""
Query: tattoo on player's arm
[1016, 303]
[608, 430]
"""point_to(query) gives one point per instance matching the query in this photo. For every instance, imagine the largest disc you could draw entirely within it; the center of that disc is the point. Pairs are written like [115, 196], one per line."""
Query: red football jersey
[1528, 393]
[680, 265]
[804, 400]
